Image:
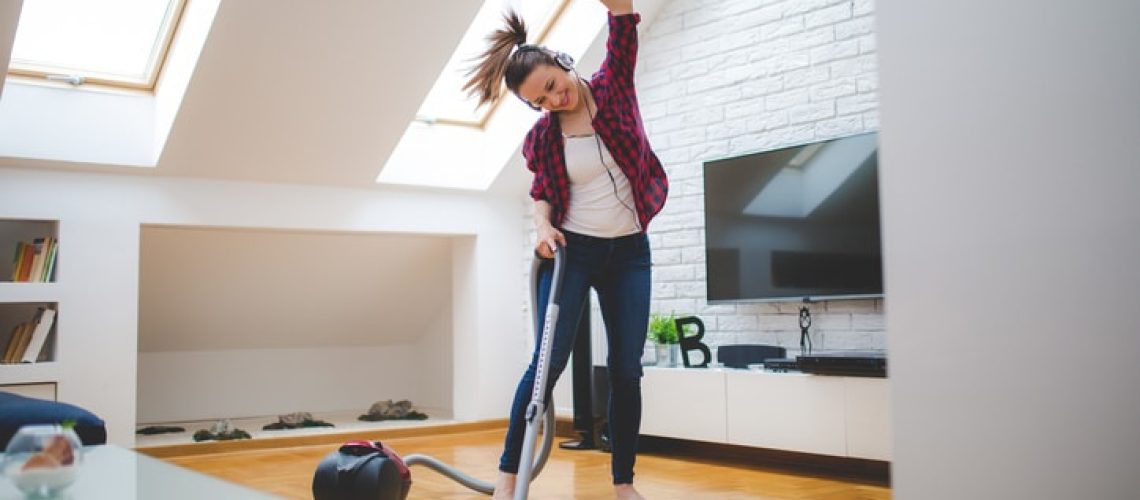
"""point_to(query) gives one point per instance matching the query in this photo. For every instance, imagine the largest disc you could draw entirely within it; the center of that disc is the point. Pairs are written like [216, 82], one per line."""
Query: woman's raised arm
[619, 7]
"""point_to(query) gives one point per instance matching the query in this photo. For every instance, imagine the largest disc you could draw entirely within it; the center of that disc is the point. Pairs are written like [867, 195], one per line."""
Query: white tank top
[599, 206]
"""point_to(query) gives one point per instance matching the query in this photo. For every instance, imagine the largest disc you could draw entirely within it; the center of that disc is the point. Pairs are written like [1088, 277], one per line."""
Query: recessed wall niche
[245, 322]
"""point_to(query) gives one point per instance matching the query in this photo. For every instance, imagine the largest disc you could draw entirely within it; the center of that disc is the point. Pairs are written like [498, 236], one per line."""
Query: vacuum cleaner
[368, 470]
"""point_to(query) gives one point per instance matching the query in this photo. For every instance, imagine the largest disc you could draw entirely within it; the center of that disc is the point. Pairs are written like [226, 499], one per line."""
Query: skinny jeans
[618, 269]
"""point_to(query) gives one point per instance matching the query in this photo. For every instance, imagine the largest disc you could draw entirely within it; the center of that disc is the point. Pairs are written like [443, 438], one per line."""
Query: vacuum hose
[527, 473]
[487, 487]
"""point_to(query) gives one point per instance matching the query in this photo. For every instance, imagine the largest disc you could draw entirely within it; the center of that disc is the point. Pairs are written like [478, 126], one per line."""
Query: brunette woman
[597, 185]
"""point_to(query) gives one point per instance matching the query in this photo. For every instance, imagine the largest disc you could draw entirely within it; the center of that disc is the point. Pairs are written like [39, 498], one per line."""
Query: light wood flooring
[288, 472]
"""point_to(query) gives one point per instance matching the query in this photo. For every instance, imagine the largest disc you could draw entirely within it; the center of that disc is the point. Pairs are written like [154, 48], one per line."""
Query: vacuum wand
[537, 407]
[539, 411]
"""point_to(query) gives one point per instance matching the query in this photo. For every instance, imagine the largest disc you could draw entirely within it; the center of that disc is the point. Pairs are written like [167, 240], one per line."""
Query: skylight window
[453, 145]
[111, 42]
[446, 102]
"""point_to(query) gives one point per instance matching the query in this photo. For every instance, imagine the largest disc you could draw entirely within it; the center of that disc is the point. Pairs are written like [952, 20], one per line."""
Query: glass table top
[112, 472]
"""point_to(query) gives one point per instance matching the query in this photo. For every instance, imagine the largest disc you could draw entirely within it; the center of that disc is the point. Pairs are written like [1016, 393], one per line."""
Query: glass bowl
[42, 460]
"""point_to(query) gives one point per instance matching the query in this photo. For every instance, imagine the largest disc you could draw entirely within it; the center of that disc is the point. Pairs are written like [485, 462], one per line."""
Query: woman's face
[551, 88]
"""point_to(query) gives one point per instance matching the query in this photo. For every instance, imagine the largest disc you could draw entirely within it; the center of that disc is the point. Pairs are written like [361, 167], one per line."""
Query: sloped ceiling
[312, 91]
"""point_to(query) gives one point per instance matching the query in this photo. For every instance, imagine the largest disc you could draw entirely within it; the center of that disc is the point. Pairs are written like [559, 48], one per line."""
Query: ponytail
[502, 62]
[486, 76]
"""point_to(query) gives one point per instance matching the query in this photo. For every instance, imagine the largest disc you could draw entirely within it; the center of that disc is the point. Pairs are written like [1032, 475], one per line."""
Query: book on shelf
[13, 343]
[49, 267]
[45, 318]
[26, 344]
[20, 338]
[37, 270]
[35, 261]
[16, 261]
[24, 266]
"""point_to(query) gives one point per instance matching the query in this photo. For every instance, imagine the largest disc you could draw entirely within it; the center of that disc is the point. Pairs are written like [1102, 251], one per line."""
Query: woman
[597, 184]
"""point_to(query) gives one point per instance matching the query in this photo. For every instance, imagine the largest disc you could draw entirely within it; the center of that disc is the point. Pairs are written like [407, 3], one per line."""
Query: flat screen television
[798, 223]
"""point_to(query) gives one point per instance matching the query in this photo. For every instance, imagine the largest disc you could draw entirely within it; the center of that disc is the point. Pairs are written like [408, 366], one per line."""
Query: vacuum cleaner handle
[538, 404]
[546, 341]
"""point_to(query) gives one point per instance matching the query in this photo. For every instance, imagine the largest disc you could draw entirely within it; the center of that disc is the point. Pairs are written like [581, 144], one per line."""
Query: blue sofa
[17, 411]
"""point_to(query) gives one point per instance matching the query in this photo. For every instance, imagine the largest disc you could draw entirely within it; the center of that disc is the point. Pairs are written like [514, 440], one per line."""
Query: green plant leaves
[663, 329]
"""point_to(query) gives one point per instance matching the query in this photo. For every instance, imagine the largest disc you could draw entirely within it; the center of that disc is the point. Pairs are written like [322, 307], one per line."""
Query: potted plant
[663, 333]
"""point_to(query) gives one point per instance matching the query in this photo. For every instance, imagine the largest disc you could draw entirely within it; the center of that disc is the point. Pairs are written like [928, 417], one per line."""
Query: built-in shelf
[42, 238]
[28, 292]
[30, 305]
[29, 373]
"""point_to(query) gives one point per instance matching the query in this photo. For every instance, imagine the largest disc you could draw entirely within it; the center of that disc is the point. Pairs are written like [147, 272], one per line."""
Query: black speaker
[591, 391]
[742, 355]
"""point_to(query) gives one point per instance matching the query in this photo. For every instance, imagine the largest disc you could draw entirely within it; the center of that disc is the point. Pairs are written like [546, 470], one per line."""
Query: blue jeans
[619, 270]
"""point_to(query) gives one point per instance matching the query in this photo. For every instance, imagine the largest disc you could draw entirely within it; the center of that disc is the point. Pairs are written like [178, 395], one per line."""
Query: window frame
[44, 74]
[555, 17]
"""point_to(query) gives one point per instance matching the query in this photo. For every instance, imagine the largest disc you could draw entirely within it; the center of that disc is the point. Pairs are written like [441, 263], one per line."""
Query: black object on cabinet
[591, 391]
[742, 355]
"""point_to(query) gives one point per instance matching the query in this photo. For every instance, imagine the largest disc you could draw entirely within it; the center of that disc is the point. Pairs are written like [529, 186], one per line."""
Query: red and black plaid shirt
[618, 124]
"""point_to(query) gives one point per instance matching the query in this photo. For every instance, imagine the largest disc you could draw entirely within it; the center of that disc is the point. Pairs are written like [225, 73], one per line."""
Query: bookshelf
[24, 297]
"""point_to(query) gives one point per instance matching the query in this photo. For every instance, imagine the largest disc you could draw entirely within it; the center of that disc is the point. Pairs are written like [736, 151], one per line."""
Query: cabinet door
[868, 418]
[683, 403]
[792, 411]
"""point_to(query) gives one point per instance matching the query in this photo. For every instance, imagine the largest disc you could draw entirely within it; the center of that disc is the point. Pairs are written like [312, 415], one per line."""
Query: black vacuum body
[368, 470]
[362, 470]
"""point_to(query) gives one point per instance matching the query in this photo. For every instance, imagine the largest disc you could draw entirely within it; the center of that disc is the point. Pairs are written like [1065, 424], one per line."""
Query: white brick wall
[718, 78]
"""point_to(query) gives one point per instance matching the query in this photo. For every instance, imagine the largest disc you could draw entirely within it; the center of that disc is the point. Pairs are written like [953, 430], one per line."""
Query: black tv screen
[795, 223]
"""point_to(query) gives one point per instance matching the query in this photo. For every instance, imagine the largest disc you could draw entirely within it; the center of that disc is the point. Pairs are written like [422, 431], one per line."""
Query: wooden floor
[288, 472]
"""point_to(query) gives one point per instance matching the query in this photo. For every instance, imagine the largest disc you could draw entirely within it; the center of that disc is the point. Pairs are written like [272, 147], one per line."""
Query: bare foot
[626, 492]
[504, 486]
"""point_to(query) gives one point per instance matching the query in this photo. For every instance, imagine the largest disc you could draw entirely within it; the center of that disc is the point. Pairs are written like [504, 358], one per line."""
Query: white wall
[98, 275]
[1010, 175]
[176, 386]
[728, 77]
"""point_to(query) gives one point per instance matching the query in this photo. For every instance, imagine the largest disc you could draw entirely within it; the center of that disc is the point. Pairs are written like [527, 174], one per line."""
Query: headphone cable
[601, 158]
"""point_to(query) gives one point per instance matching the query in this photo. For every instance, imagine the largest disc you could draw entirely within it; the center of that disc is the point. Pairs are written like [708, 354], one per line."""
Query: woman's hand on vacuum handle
[549, 238]
[619, 7]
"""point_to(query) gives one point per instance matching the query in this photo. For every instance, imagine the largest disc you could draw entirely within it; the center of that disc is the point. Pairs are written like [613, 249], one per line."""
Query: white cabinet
[685, 404]
[824, 415]
[794, 412]
[868, 418]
